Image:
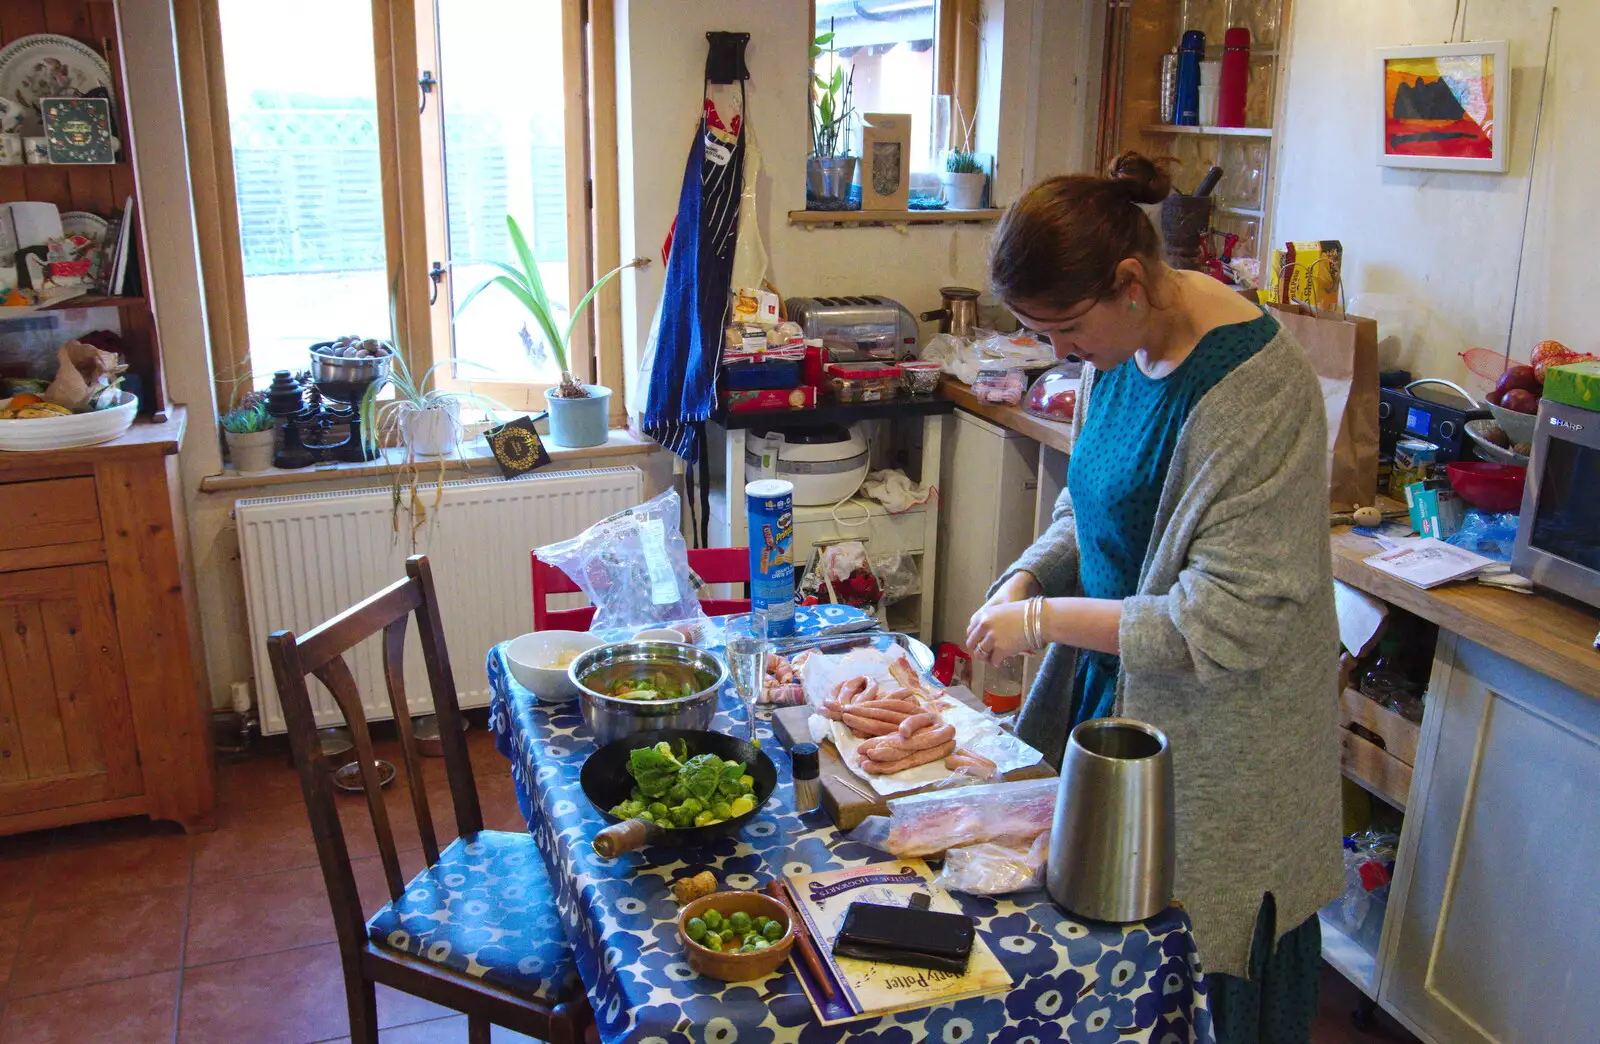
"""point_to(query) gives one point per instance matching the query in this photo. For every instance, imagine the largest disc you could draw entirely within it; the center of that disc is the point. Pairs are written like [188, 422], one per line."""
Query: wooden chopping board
[847, 797]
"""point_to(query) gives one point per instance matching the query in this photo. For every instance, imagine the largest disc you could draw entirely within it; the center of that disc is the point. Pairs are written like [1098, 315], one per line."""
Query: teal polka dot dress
[1118, 466]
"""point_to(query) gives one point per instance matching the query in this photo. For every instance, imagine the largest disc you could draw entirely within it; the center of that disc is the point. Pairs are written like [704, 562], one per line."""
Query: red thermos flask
[1235, 77]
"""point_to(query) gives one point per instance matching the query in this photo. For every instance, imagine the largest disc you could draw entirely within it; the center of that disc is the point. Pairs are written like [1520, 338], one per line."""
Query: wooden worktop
[1055, 434]
[1547, 633]
[146, 438]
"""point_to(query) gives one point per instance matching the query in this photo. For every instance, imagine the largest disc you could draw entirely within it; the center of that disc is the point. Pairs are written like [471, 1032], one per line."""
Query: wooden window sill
[474, 462]
[879, 218]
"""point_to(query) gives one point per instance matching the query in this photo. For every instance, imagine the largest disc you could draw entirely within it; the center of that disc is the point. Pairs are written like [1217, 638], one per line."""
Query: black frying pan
[606, 783]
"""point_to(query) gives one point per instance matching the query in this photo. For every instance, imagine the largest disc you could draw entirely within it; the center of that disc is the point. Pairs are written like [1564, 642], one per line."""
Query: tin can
[769, 510]
[1169, 86]
[1413, 459]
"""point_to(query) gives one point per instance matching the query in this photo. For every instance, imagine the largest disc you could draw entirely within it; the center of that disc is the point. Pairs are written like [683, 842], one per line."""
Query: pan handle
[628, 836]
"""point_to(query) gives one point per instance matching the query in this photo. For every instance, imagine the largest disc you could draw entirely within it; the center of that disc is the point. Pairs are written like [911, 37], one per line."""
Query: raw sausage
[893, 717]
[867, 726]
[831, 709]
[896, 746]
[964, 758]
[912, 760]
[903, 706]
[924, 720]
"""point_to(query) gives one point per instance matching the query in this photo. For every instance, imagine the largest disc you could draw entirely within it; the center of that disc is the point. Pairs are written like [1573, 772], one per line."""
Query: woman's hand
[1019, 587]
[996, 632]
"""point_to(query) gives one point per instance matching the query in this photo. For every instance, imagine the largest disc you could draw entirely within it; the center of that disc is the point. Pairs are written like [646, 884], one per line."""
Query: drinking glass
[747, 661]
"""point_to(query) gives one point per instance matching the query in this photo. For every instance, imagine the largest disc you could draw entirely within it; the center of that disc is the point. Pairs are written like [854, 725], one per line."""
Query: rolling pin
[630, 835]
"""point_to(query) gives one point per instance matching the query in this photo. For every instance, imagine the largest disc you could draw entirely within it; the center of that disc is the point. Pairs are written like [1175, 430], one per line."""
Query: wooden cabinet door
[1498, 933]
[66, 733]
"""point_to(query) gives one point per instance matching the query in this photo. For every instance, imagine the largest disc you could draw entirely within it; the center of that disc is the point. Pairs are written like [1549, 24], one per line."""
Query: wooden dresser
[100, 711]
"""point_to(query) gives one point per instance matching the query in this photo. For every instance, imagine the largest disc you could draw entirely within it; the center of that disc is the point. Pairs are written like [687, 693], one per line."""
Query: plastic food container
[857, 382]
[1055, 394]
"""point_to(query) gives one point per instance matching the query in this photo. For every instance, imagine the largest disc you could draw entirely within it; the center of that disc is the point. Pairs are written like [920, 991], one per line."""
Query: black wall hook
[725, 61]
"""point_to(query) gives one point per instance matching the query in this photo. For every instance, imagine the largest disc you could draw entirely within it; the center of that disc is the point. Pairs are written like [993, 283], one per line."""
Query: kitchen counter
[1054, 434]
[1553, 636]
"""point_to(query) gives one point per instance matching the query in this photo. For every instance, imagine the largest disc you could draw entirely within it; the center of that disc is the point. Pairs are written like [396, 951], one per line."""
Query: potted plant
[247, 429]
[830, 168]
[963, 178]
[426, 420]
[578, 412]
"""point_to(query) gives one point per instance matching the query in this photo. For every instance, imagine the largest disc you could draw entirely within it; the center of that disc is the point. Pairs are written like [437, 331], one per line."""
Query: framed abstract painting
[1445, 106]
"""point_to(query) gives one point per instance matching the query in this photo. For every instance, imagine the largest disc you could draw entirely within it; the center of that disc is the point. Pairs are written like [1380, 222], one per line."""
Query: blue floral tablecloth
[1074, 982]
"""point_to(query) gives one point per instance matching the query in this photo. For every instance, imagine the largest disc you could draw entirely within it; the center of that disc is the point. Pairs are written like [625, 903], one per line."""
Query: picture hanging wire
[1533, 160]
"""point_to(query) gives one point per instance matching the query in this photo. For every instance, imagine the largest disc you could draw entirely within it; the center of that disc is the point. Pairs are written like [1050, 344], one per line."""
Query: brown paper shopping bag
[1344, 352]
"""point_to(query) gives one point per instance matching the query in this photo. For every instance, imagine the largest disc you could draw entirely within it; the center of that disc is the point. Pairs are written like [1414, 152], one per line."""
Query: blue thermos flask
[1191, 51]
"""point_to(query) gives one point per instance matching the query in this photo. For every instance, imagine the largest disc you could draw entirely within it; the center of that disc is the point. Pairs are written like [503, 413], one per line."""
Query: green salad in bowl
[677, 791]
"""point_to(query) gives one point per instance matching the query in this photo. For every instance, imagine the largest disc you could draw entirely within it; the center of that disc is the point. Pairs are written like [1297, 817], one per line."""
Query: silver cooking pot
[611, 718]
[1111, 844]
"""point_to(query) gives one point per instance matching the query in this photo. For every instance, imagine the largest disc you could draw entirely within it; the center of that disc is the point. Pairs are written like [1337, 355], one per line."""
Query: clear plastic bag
[930, 824]
[634, 566]
[1488, 534]
[1368, 868]
[898, 575]
[995, 868]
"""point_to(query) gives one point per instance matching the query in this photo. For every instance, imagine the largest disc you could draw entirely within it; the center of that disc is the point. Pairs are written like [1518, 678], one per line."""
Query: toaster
[857, 328]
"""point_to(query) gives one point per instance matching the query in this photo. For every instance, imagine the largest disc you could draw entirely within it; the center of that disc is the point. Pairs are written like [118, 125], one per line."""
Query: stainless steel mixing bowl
[611, 718]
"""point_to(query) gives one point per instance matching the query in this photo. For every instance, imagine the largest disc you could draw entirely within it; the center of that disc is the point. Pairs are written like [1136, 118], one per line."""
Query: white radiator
[307, 558]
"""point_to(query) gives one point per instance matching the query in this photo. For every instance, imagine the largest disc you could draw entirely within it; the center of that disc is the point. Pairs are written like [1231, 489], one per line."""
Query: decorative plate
[82, 223]
[49, 66]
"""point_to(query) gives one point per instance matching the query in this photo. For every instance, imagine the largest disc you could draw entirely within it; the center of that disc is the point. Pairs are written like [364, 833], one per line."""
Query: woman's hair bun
[1140, 178]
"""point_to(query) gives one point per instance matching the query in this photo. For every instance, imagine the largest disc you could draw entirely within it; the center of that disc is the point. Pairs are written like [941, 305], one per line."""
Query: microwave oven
[1558, 532]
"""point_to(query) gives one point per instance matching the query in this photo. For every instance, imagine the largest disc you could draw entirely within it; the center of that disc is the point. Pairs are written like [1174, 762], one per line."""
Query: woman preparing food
[1186, 580]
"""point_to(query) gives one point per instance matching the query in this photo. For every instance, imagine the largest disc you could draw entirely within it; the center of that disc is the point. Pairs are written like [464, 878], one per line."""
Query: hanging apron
[679, 372]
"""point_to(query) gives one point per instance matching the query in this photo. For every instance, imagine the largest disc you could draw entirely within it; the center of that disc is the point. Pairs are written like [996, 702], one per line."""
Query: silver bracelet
[1031, 620]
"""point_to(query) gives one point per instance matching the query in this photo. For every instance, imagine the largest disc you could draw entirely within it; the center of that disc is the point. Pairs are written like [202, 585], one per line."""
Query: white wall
[661, 51]
[1445, 243]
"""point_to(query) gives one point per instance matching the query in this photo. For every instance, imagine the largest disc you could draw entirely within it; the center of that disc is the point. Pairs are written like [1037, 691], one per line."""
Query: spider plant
[381, 420]
[523, 281]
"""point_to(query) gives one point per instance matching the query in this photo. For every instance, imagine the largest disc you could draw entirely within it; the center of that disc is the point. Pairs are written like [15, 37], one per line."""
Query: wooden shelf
[97, 301]
[1220, 132]
[1248, 212]
[892, 217]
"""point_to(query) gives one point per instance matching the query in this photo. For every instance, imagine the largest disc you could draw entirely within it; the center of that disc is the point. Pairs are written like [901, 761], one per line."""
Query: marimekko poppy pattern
[620, 918]
[485, 909]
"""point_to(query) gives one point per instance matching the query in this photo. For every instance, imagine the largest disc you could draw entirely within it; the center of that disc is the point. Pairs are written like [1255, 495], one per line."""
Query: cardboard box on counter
[1436, 510]
[885, 161]
[754, 400]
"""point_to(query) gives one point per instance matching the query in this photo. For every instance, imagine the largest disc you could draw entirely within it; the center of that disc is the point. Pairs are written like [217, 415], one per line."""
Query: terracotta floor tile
[444, 1031]
[259, 782]
[255, 842]
[129, 1011]
[10, 943]
[21, 866]
[291, 997]
[97, 942]
[230, 920]
[97, 861]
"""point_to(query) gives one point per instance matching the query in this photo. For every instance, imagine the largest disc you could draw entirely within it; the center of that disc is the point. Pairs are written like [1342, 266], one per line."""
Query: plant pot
[251, 450]
[963, 191]
[579, 423]
[828, 181]
[432, 432]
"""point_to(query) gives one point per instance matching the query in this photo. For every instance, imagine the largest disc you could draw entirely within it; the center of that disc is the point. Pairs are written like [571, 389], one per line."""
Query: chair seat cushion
[485, 909]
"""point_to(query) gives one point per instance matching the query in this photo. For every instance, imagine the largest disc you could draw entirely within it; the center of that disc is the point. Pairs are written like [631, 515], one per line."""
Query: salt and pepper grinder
[1190, 52]
[1169, 86]
[1235, 77]
[803, 759]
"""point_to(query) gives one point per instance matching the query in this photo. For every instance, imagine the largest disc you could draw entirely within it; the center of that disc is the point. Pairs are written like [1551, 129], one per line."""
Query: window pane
[889, 45]
[504, 154]
[302, 108]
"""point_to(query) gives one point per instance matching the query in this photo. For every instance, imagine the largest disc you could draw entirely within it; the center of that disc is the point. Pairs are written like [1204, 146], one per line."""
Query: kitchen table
[1073, 981]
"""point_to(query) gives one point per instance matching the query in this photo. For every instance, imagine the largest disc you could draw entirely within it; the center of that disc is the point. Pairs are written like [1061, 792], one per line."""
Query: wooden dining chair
[714, 565]
[476, 929]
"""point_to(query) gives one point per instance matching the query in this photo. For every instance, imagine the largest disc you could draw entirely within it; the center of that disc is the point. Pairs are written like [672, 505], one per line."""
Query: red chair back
[714, 565]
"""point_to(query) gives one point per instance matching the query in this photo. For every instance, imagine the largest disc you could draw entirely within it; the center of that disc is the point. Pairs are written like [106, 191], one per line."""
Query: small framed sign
[517, 447]
[78, 130]
[1445, 106]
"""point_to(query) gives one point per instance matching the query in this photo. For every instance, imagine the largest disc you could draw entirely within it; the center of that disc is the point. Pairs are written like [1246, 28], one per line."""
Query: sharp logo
[1559, 422]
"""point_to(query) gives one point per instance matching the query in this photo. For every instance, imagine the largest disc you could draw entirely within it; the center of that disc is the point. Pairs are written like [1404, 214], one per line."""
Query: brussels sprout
[694, 806]
[721, 810]
[759, 944]
[748, 783]
[741, 805]
[659, 810]
[695, 929]
[739, 922]
[704, 819]
[773, 931]
[682, 818]
[646, 816]
[759, 923]
[713, 919]
[712, 941]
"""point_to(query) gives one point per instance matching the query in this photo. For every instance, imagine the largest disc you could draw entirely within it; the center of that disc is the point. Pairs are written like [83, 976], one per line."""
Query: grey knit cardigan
[1230, 647]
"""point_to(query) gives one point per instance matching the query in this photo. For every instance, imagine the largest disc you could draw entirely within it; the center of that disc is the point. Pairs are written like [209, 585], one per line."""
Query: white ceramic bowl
[659, 634]
[533, 658]
[1519, 427]
[80, 429]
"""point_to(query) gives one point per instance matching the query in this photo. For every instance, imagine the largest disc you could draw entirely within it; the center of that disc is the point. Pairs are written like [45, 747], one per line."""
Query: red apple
[1520, 400]
[1519, 376]
[1495, 396]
